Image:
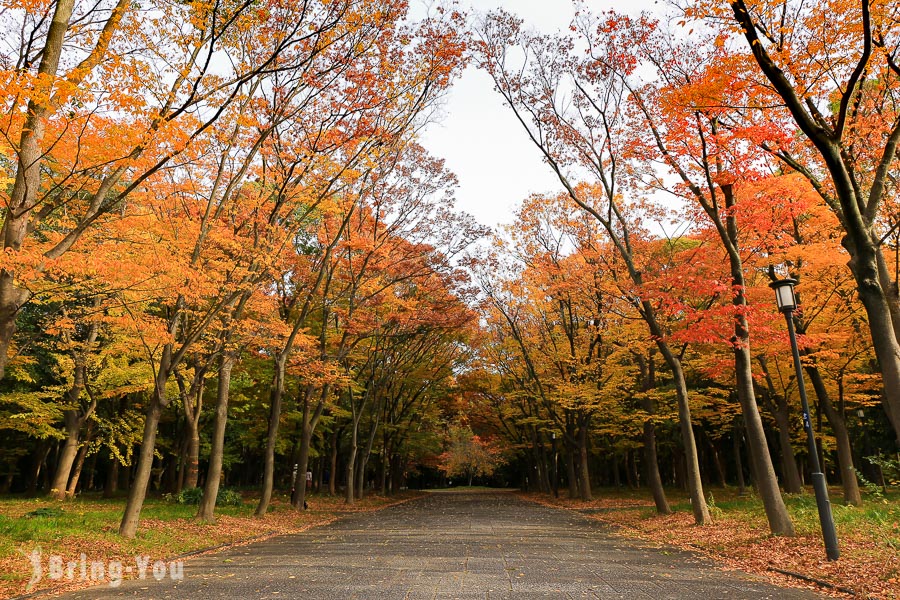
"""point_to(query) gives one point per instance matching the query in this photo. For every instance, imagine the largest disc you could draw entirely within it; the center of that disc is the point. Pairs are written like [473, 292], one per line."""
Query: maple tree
[469, 455]
[590, 138]
[699, 143]
[102, 99]
[838, 86]
[394, 271]
[565, 346]
[645, 101]
[217, 178]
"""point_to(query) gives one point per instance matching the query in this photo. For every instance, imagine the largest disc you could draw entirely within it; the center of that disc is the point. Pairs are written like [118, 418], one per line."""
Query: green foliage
[714, 510]
[45, 511]
[225, 497]
[34, 413]
[871, 489]
[890, 468]
[187, 496]
[228, 497]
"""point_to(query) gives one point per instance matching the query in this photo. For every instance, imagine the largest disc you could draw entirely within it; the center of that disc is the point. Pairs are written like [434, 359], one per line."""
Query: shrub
[47, 511]
[228, 497]
[225, 497]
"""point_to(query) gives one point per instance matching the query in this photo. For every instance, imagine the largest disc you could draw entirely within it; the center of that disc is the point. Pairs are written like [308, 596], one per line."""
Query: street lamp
[787, 303]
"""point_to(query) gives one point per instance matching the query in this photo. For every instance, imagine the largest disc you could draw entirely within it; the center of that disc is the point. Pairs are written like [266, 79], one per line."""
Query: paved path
[488, 546]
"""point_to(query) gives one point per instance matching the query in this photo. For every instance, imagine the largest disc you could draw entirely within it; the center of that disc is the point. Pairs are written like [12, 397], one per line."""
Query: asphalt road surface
[447, 545]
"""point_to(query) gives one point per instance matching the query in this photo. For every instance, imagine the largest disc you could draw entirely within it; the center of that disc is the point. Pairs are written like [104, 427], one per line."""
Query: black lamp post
[787, 303]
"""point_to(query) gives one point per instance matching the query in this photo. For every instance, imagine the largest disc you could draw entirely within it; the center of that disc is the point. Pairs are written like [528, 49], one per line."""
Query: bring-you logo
[112, 572]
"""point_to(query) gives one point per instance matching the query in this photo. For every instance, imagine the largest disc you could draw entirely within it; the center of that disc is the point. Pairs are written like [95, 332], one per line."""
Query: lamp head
[784, 294]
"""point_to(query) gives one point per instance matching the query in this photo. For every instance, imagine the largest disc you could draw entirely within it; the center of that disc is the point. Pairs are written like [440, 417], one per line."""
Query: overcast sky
[479, 138]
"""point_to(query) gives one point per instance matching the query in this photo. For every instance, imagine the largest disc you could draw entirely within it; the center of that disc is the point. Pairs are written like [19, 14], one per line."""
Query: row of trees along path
[229, 205]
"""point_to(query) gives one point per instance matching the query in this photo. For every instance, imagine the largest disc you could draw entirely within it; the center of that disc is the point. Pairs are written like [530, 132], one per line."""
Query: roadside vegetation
[88, 525]
[738, 537]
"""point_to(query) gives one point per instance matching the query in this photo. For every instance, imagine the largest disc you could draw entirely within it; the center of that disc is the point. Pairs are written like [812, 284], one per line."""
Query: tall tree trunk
[383, 467]
[191, 454]
[192, 407]
[361, 466]
[778, 406]
[849, 481]
[318, 470]
[397, 467]
[792, 482]
[276, 395]
[544, 470]
[364, 460]
[28, 175]
[111, 486]
[72, 424]
[92, 472]
[890, 287]
[717, 463]
[764, 473]
[37, 464]
[583, 465]
[692, 464]
[651, 459]
[125, 476]
[766, 482]
[861, 240]
[571, 445]
[539, 464]
[207, 509]
[75, 415]
[79, 463]
[633, 476]
[179, 461]
[308, 426]
[333, 463]
[679, 474]
[864, 266]
[647, 366]
[138, 489]
[836, 419]
[737, 432]
[298, 495]
[298, 499]
[350, 468]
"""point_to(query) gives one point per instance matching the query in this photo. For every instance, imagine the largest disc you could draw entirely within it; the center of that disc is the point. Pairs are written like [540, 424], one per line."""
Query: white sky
[479, 138]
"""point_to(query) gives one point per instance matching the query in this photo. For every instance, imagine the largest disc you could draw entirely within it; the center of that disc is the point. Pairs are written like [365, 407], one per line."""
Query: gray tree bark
[778, 406]
[849, 481]
[206, 512]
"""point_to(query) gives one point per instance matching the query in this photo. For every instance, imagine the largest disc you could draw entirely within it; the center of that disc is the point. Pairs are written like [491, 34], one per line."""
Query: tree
[696, 139]
[844, 105]
[468, 455]
[585, 134]
[69, 86]
[383, 101]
